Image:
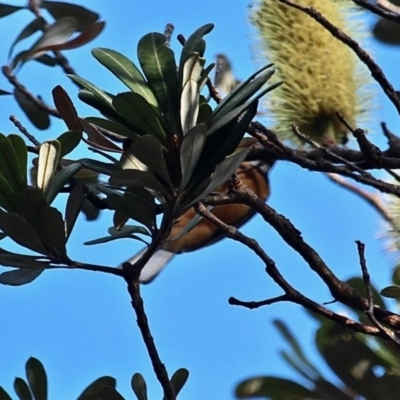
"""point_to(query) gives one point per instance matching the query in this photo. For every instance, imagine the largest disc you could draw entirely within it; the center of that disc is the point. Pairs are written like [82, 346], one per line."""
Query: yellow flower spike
[321, 75]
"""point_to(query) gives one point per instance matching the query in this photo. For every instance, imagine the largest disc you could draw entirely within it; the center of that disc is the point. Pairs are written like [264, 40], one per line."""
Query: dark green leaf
[4, 395]
[37, 378]
[191, 150]
[387, 32]
[96, 385]
[391, 292]
[125, 70]
[21, 152]
[359, 285]
[139, 386]
[19, 230]
[45, 59]
[179, 379]
[54, 228]
[133, 207]
[36, 25]
[21, 387]
[10, 167]
[194, 44]
[112, 126]
[62, 178]
[7, 195]
[139, 114]
[19, 276]
[158, 64]
[275, 388]
[147, 149]
[100, 167]
[74, 206]
[136, 178]
[69, 140]
[21, 261]
[39, 118]
[59, 9]
[6, 9]
[108, 393]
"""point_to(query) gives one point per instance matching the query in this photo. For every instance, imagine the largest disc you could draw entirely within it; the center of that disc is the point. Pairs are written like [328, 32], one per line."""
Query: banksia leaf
[321, 75]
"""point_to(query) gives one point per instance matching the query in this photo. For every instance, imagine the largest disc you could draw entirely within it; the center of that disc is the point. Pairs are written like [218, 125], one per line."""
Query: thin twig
[24, 131]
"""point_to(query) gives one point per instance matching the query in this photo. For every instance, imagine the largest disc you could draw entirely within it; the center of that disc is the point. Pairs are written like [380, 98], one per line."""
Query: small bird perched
[254, 176]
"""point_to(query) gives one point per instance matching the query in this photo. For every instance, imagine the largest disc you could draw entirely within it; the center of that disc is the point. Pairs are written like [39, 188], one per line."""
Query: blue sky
[81, 325]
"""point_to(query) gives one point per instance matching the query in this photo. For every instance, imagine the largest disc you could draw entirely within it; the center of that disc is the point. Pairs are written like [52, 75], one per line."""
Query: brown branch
[24, 131]
[390, 335]
[385, 9]
[143, 324]
[374, 68]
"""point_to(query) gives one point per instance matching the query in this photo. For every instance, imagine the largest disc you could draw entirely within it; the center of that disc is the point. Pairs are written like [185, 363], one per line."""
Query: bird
[254, 175]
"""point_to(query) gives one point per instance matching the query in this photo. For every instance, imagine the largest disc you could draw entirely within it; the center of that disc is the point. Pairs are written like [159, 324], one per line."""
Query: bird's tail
[154, 266]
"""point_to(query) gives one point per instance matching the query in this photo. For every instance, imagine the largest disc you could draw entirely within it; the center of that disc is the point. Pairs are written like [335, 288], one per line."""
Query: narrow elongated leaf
[126, 232]
[19, 276]
[272, 387]
[57, 33]
[100, 167]
[39, 118]
[158, 64]
[45, 59]
[96, 139]
[147, 149]
[53, 226]
[69, 140]
[62, 178]
[391, 292]
[111, 126]
[19, 230]
[139, 386]
[222, 173]
[60, 9]
[21, 152]
[189, 109]
[96, 385]
[20, 261]
[7, 196]
[126, 71]
[131, 177]
[49, 156]
[4, 395]
[10, 168]
[74, 206]
[36, 25]
[191, 150]
[139, 113]
[66, 108]
[37, 378]
[6, 9]
[21, 387]
[204, 76]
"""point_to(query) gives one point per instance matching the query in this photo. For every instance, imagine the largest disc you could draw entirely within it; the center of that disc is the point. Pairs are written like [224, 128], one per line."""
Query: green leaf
[49, 157]
[274, 388]
[189, 107]
[134, 207]
[147, 149]
[6, 9]
[21, 153]
[66, 108]
[98, 140]
[4, 395]
[191, 150]
[47, 60]
[58, 9]
[19, 230]
[136, 178]
[20, 276]
[37, 378]
[112, 126]
[99, 166]
[10, 167]
[69, 140]
[62, 178]
[36, 25]
[139, 386]
[139, 114]
[53, 226]
[21, 261]
[194, 43]
[179, 379]
[21, 387]
[39, 118]
[7, 196]
[126, 71]
[158, 64]
[96, 385]
[392, 292]
[74, 206]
